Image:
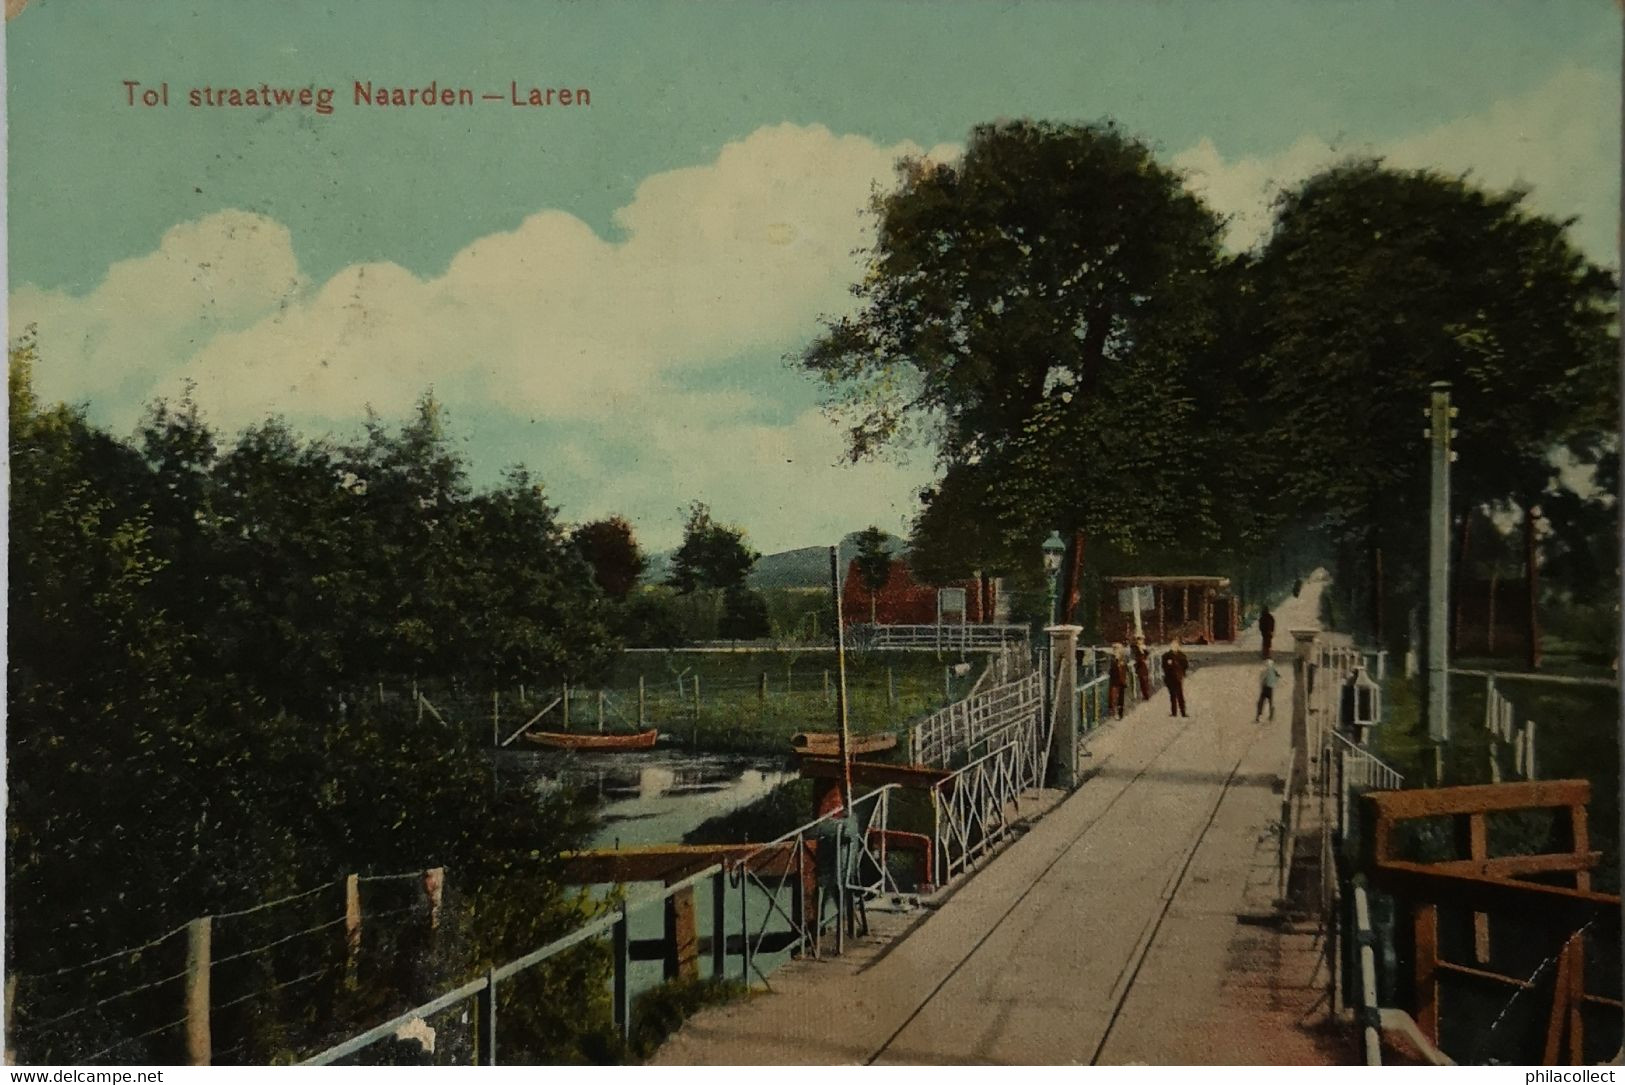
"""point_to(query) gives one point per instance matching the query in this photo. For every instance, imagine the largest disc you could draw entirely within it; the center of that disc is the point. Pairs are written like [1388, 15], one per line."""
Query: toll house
[1196, 609]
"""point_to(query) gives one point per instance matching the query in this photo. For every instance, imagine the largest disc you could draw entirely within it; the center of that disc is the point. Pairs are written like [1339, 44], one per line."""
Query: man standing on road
[1175, 665]
[1266, 629]
[1142, 667]
[1266, 689]
[1117, 683]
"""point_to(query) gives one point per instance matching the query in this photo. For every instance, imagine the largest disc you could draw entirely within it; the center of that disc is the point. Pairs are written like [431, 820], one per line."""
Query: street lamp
[1054, 551]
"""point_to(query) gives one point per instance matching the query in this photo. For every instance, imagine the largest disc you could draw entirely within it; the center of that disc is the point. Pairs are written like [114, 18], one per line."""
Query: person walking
[1266, 629]
[1175, 665]
[1142, 667]
[1267, 680]
[1116, 682]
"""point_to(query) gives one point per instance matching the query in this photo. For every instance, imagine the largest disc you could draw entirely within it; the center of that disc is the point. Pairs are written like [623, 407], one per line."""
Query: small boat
[588, 740]
[828, 743]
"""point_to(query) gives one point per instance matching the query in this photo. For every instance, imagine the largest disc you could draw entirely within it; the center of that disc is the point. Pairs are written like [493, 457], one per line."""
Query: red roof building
[905, 601]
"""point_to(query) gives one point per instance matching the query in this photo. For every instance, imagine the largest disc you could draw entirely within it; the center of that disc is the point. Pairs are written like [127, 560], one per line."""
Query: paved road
[1132, 924]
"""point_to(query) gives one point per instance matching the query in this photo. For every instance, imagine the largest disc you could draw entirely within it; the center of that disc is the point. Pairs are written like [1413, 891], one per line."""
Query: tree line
[1054, 314]
[197, 627]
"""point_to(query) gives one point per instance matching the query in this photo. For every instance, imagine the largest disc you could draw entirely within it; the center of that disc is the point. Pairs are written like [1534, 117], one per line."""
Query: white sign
[1127, 598]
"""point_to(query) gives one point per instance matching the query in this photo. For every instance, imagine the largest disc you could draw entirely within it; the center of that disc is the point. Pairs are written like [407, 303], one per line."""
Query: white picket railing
[943, 637]
[1500, 722]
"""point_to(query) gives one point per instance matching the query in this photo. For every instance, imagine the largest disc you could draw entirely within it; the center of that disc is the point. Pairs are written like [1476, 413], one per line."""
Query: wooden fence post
[564, 703]
[434, 886]
[622, 999]
[485, 1010]
[352, 928]
[891, 689]
[11, 1004]
[826, 686]
[640, 700]
[600, 711]
[696, 700]
[761, 695]
[199, 1042]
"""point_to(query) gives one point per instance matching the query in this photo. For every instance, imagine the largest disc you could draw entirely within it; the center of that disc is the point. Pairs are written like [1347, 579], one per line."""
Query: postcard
[911, 533]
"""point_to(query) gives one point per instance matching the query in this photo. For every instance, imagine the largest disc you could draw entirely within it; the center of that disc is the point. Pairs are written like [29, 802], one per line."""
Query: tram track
[1148, 937]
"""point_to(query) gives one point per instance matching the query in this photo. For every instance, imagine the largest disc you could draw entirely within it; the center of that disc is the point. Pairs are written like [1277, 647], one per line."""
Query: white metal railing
[854, 867]
[1370, 1009]
[1094, 689]
[970, 727]
[847, 858]
[979, 805]
[1333, 664]
[1358, 770]
[943, 637]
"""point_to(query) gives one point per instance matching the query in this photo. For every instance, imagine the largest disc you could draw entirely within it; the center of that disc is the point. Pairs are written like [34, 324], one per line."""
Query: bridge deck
[1128, 926]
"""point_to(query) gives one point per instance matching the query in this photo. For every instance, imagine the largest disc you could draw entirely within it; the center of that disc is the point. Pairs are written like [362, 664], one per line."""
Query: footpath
[1135, 922]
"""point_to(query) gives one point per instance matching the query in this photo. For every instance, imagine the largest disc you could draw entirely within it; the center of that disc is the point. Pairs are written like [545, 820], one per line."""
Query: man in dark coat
[1266, 629]
[1116, 683]
[1175, 665]
[1142, 667]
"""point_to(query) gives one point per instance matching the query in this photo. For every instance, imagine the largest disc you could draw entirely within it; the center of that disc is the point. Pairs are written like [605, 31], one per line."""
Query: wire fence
[740, 705]
[239, 985]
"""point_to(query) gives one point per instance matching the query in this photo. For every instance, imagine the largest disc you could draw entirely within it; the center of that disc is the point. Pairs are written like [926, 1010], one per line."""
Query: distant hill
[804, 567]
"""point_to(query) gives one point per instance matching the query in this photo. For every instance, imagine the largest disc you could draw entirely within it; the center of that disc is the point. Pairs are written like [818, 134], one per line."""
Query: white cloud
[727, 260]
[1561, 140]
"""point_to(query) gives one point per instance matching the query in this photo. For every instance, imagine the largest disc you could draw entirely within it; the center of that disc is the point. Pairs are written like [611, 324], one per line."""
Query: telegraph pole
[840, 683]
[1440, 415]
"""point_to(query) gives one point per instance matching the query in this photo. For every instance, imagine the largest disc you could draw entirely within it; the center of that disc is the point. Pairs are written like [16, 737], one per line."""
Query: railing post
[1305, 644]
[744, 925]
[840, 884]
[719, 921]
[641, 700]
[623, 977]
[1063, 762]
[1426, 923]
[199, 1041]
[485, 1009]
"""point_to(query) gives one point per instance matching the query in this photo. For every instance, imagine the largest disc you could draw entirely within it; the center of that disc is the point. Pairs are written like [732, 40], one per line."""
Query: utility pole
[1440, 415]
[840, 683]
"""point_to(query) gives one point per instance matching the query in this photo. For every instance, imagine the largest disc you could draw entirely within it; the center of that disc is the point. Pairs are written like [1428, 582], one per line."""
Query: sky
[607, 293]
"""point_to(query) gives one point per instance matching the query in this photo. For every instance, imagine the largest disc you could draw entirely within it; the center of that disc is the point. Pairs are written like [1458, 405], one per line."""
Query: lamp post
[1054, 551]
[1063, 678]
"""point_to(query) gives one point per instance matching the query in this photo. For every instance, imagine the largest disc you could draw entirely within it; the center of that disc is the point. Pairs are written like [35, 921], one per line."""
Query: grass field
[733, 701]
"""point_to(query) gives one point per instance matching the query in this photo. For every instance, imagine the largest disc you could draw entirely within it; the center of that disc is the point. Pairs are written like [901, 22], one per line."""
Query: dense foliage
[197, 633]
[1054, 316]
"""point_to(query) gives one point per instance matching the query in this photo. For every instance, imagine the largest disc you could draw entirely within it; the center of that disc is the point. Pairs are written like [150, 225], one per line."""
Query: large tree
[1377, 282]
[712, 555]
[873, 560]
[1044, 309]
[611, 548]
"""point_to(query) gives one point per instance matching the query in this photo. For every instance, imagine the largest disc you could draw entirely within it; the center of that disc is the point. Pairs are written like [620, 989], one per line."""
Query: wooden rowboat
[828, 743]
[587, 740]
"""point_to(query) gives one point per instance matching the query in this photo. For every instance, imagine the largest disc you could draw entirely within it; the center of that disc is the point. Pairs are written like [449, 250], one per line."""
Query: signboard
[1126, 598]
[950, 601]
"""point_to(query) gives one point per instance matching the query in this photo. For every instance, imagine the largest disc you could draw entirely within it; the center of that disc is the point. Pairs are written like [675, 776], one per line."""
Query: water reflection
[653, 796]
